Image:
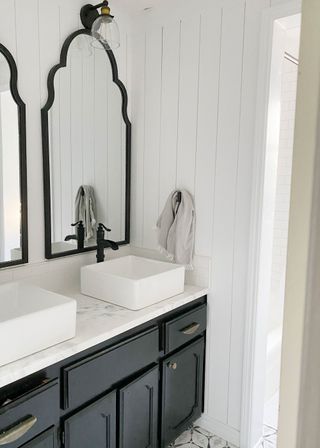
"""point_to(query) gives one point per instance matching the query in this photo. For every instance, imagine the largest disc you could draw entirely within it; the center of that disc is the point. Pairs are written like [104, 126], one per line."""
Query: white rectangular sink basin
[33, 319]
[132, 282]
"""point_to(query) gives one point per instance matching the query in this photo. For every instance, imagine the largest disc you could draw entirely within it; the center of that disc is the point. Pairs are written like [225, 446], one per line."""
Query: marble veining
[97, 322]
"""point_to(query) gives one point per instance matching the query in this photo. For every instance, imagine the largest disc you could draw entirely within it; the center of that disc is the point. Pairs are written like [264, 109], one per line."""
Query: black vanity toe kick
[86, 379]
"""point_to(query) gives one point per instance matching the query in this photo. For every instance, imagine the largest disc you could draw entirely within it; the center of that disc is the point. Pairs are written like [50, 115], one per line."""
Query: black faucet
[79, 237]
[102, 243]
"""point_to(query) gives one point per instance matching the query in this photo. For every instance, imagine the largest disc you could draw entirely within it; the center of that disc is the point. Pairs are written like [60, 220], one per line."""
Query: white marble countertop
[97, 322]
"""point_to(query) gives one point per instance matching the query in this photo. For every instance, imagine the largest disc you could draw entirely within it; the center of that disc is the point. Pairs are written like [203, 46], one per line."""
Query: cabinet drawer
[98, 373]
[45, 440]
[184, 328]
[29, 415]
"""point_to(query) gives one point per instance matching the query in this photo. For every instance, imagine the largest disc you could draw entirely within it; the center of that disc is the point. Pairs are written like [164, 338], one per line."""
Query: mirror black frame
[46, 146]
[22, 158]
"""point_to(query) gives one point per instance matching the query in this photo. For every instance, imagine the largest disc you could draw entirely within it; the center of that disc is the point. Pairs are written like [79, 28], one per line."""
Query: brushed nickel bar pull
[16, 432]
[191, 329]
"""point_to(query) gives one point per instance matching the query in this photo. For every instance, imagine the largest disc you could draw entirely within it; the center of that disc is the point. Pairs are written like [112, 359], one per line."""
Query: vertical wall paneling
[153, 91]
[169, 111]
[27, 29]
[55, 161]
[65, 152]
[49, 37]
[76, 129]
[115, 148]
[67, 97]
[225, 202]
[100, 124]
[209, 73]
[138, 60]
[8, 30]
[243, 200]
[188, 102]
[87, 111]
[209, 79]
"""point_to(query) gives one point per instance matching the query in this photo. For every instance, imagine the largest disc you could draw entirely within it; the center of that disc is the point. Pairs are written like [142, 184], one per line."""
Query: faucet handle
[80, 223]
[102, 226]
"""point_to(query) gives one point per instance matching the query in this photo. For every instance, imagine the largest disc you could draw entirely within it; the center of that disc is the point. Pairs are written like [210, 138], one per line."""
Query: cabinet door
[182, 392]
[44, 440]
[139, 412]
[94, 426]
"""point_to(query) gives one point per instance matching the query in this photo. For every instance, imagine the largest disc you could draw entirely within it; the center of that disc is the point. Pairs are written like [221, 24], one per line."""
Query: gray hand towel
[85, 210]
[176, 229]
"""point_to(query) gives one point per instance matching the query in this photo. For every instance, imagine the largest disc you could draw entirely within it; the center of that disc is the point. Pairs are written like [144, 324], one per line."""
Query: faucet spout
[71, 237]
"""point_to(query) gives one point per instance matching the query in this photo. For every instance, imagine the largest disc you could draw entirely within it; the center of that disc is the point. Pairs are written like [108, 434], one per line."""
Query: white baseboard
[220, 429]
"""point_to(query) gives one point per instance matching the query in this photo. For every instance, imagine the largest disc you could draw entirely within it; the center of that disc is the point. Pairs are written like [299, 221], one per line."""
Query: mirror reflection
[10, 200]
[87, 150]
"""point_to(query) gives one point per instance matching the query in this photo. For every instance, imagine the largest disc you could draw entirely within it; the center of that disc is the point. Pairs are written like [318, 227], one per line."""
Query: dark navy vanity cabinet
[141, 389]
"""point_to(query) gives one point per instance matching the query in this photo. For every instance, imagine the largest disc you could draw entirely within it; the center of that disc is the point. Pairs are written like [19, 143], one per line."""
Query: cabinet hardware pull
[173, 365]
[16, 432]
[191, 329]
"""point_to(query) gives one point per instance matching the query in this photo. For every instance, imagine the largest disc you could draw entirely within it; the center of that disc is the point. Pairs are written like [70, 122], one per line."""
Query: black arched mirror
[13, 166]
[86, 149]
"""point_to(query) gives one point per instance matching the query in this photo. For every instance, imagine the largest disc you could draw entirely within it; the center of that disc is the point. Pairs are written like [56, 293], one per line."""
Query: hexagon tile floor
[197, 437]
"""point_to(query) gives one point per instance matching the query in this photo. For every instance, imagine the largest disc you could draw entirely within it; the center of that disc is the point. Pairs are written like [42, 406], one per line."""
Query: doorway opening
[276, 104]
[276, 205]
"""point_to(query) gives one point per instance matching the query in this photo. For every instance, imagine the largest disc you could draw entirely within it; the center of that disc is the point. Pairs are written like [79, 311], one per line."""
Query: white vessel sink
[33, 319]
[132, 282]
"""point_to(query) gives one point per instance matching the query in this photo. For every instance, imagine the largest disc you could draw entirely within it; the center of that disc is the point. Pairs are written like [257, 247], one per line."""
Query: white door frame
[254, 367]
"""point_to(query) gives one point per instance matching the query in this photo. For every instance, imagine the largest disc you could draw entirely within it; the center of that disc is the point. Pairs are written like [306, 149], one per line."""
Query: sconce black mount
[89, 13]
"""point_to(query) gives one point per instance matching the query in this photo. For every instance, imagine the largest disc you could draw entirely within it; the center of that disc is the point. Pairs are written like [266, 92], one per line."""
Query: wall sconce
[104, 28]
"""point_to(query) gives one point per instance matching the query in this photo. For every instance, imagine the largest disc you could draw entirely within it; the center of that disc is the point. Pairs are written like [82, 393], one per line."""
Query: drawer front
[95, 375]
[45, 440]
[184, 328]
[24, 418]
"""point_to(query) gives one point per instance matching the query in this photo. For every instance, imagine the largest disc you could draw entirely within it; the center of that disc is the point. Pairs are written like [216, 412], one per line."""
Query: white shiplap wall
[194, 77]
